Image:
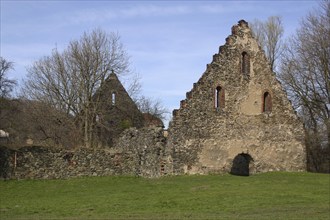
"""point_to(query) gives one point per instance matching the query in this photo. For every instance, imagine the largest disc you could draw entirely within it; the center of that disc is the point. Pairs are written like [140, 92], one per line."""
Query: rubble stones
[138, 152]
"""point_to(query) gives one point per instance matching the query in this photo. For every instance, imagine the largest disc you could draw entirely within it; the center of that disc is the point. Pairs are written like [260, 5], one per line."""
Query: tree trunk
[86, 129]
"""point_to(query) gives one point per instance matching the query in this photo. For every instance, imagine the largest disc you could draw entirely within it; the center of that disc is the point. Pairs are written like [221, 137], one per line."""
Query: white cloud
[154, 10]
[107, 13]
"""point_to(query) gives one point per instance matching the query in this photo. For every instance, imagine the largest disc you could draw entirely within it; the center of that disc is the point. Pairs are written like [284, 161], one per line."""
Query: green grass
[264, 196]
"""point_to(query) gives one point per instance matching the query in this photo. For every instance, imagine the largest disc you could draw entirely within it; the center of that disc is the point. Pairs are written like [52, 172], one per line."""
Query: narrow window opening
[219, 98]
[267, 102]
[113, 98]
[245, 64]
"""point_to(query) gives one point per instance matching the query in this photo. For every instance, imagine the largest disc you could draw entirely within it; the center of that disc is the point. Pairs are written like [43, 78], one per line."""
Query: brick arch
[267, 101]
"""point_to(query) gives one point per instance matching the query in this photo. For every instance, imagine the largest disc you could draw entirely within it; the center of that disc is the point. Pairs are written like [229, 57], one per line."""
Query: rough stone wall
[44, 163]
[204, 138]
[117, 111]
[148, 147]
[139, 153]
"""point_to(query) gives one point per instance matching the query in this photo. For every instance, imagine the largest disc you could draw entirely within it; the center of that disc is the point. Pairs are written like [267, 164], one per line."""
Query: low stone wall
[45, 163]
[147, 147]
[138, 152]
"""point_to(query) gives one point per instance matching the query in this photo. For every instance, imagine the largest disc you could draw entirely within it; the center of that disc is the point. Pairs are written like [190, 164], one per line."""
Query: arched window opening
[219, 98]
[242, 165]
[267, 102]
[113, 98]
[245, 64]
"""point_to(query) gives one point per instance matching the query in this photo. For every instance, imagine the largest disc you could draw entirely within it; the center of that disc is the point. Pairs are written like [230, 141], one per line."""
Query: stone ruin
[140, 154]
[236, 119]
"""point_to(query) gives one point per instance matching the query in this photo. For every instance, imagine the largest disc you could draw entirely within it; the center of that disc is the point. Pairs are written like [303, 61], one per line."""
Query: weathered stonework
[237, 115]
[138, 153]
[117, 111]
[45, 163]
[236, 119]
[147, 147]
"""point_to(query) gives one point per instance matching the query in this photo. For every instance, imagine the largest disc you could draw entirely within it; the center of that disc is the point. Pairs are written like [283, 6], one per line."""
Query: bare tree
[37, 121]
[133, 86]
[69, 80]
[52, 129]
[153, 107]
[6, 85]
[305, 73]
[258, 32]
[269, 35]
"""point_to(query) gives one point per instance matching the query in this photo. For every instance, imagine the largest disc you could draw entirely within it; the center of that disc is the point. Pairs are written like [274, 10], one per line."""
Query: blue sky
[170, 42]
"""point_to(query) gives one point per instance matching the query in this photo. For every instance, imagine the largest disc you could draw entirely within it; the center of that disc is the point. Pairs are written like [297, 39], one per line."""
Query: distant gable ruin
[117, 111]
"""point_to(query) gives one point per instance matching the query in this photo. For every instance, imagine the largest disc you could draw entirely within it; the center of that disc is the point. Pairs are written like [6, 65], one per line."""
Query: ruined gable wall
[123, 107]
[205, 139]
[117, 111]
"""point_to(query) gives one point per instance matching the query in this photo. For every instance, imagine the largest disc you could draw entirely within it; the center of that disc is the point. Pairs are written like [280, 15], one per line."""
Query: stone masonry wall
[139, 154]
[204, 138]
[117, 111]
[148, 147]
[44, 163]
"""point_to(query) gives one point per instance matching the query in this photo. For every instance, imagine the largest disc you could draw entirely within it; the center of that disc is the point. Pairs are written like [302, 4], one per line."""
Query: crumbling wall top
[242, 26]
[243, 23]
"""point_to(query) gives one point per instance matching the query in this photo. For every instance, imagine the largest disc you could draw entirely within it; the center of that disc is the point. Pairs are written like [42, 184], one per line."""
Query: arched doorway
[241, 165]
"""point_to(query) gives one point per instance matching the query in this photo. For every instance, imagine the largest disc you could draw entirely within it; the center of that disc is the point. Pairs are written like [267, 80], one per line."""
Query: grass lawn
[264, 196]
